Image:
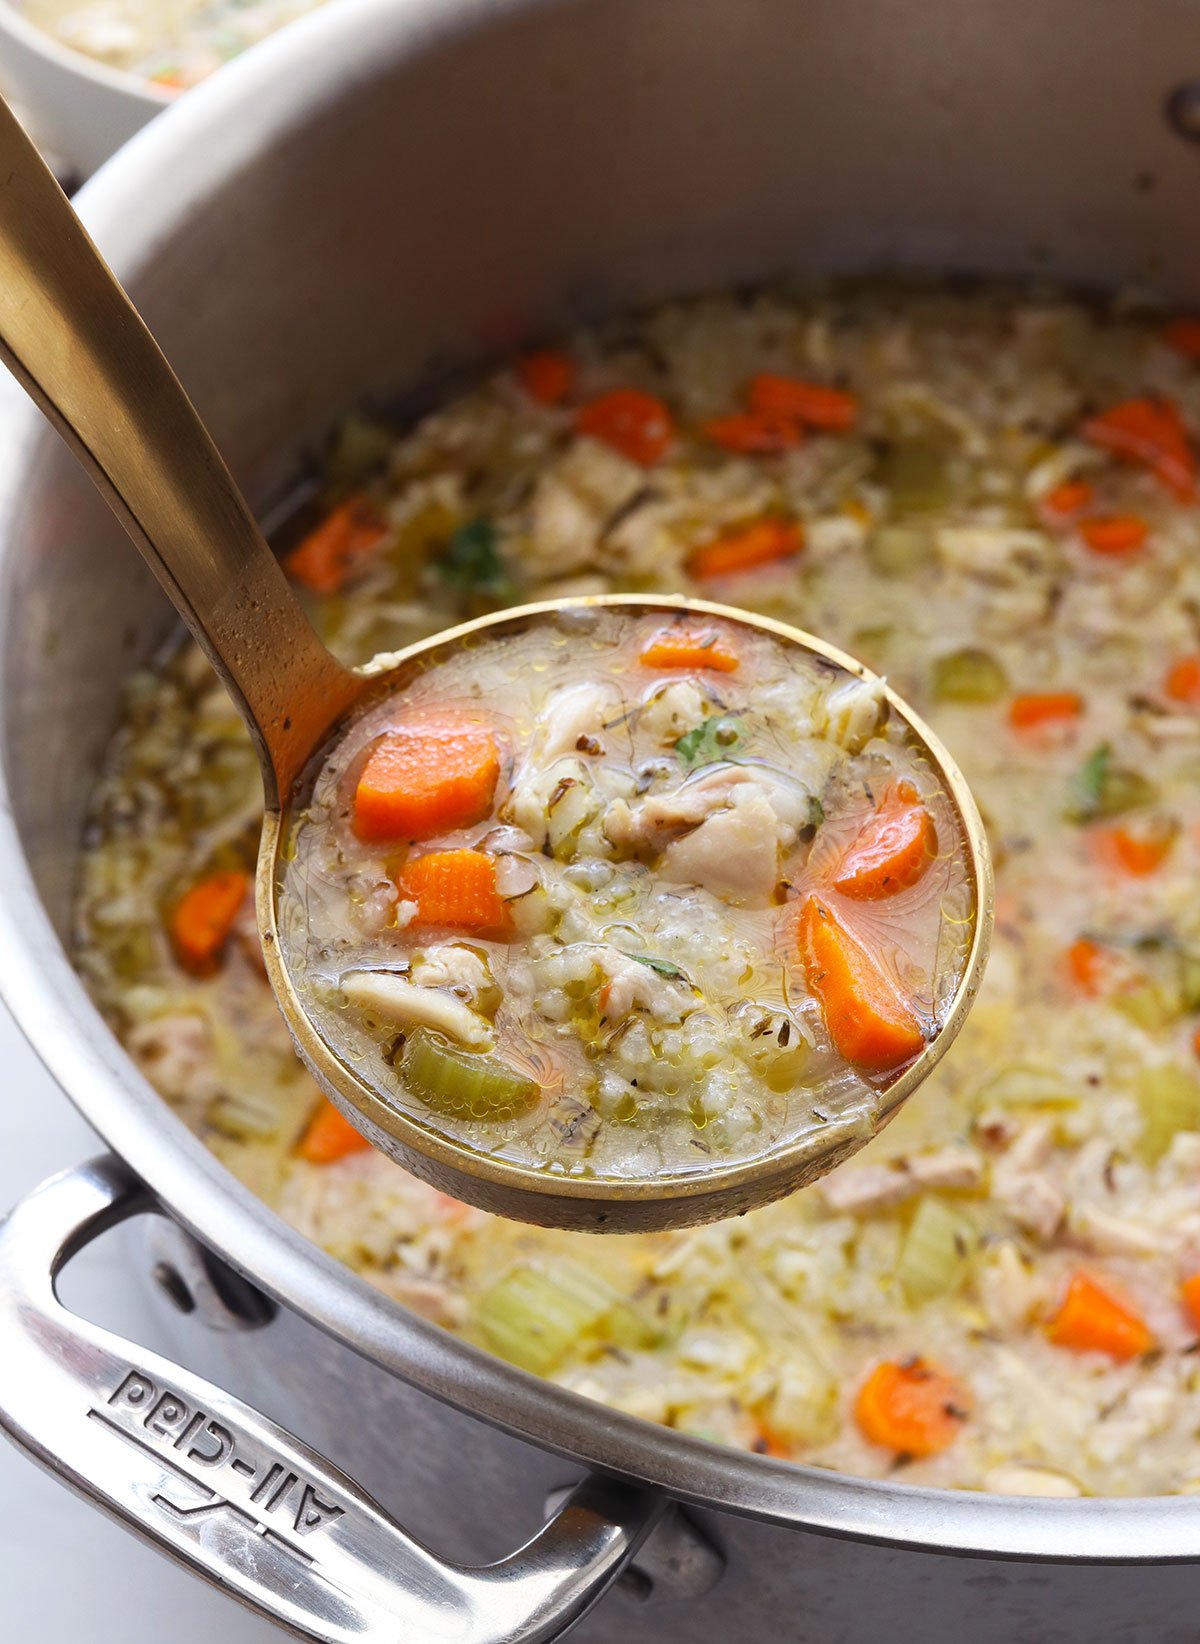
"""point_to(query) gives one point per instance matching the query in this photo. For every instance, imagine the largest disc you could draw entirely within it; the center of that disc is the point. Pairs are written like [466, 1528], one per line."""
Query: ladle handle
[75, 342]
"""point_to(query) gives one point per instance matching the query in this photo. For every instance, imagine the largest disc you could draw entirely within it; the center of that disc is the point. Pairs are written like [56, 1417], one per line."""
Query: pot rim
[195, 146]
[79, 65]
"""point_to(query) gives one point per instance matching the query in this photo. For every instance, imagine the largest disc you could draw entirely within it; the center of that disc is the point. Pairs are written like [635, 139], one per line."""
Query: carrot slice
[1152, 432]
[688, 648]
[1183, 680]
[202, 920]
[329, 1137]
[755, 433]
[1092, 1319]
[911, 1406]
[1037, 709]
[426, 778]
[892, 850]
[1091, 965]
[547, 375]
[635, 423]
[868, 1019]
[1114, 534]
[1190, 1288]
[747, 547]
[330, 552]
[1137, 854]
[1183, 335]
[1068, 499]
[832, 410]
[455, 888]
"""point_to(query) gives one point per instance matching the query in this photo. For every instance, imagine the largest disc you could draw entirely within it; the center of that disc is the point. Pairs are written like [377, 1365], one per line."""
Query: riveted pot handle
[229, 1493]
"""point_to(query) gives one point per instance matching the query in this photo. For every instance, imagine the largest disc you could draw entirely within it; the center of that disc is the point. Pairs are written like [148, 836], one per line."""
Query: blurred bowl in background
[78, 108]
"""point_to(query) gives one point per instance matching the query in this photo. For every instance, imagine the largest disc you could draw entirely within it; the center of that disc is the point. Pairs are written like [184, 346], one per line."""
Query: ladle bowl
[74, 340]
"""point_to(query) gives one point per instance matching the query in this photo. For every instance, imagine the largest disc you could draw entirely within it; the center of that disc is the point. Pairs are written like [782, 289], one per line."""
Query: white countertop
[67, 1574]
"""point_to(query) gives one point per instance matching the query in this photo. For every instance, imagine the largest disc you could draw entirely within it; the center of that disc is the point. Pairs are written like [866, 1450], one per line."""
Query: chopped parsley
[717, 738]
[470, 559]
[664, 967]
[1101, 788]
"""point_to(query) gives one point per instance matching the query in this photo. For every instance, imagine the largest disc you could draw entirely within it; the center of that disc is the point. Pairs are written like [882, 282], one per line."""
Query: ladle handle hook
[75, 342]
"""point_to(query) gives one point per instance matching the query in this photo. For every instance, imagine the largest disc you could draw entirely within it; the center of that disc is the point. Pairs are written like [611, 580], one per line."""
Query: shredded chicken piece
[408, 1005]
[633, 986]
[1024, 1188]
[580, 710]
[1009, 1288]
[176, 1054]
[655, 819]
[735, 854]
[1107, 1235]
[453, 966]
[1013, 1478]
[861, 1188]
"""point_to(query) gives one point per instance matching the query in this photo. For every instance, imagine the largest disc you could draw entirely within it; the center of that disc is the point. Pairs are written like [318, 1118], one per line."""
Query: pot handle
[234, 1497]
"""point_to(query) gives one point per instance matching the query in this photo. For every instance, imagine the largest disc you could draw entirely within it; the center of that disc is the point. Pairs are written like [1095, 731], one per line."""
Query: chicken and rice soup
[612, 893]
[990, 498]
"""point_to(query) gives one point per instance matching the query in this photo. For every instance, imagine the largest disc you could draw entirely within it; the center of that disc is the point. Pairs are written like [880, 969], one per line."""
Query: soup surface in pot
[618, 892]
[988, 496]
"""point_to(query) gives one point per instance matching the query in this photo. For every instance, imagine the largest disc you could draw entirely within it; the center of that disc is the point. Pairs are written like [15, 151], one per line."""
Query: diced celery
[916, 475]
[1024, 1085]
[968, 675]
[1150, 1006]
[936, 1252]
[533, 1315]
[1169, 1099]
[359, 446]
[1189, 980]
[898, 550]
[463, 1084]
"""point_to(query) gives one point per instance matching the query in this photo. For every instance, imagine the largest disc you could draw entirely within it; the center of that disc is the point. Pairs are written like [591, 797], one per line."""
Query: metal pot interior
[386, 195]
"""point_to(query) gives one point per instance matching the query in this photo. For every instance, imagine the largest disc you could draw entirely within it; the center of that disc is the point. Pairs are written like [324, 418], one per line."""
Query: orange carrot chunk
[635, 423]
[1183, 335]
[330, 552]
[202, 921]
[426, 778]
[911, 1407]
[547, 375]
[892, 850]
[688, 648]
[1064, 501]
[832, 410]
[755, 433]
[329, 1137]
[1140, 853]
[1183, 680]
[1092, 1319]
[1190, 1291]
[455, 888]
[1090, 965]
[1114, 534]
[1037, 709]
[746, 548]
[868, 1019]
[1152, 432]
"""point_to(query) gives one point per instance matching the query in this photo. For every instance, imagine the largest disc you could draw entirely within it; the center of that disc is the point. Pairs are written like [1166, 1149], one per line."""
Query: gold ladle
[70, 335]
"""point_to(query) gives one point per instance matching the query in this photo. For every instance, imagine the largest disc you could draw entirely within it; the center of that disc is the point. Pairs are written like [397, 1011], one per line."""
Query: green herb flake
[1102, 789]
[663, 967]
[470, 559]
[717, 738]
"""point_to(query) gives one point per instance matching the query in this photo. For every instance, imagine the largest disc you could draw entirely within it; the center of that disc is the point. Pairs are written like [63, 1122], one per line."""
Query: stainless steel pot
[384, 192]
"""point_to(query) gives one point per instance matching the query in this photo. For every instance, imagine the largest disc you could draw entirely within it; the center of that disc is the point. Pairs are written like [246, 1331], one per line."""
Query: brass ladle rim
[671, 1198]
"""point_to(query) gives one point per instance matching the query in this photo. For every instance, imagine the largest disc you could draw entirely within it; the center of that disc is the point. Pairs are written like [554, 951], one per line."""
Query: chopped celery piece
[916, 475]
[1102, 789]
[1149, 1006]
[462, 1084]
[1189, 980]
[1023, 1085]
[936, 1251]
[968, 675]
[533, 1315]
[897, 550]
[359, 446]
[1169, 1098]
